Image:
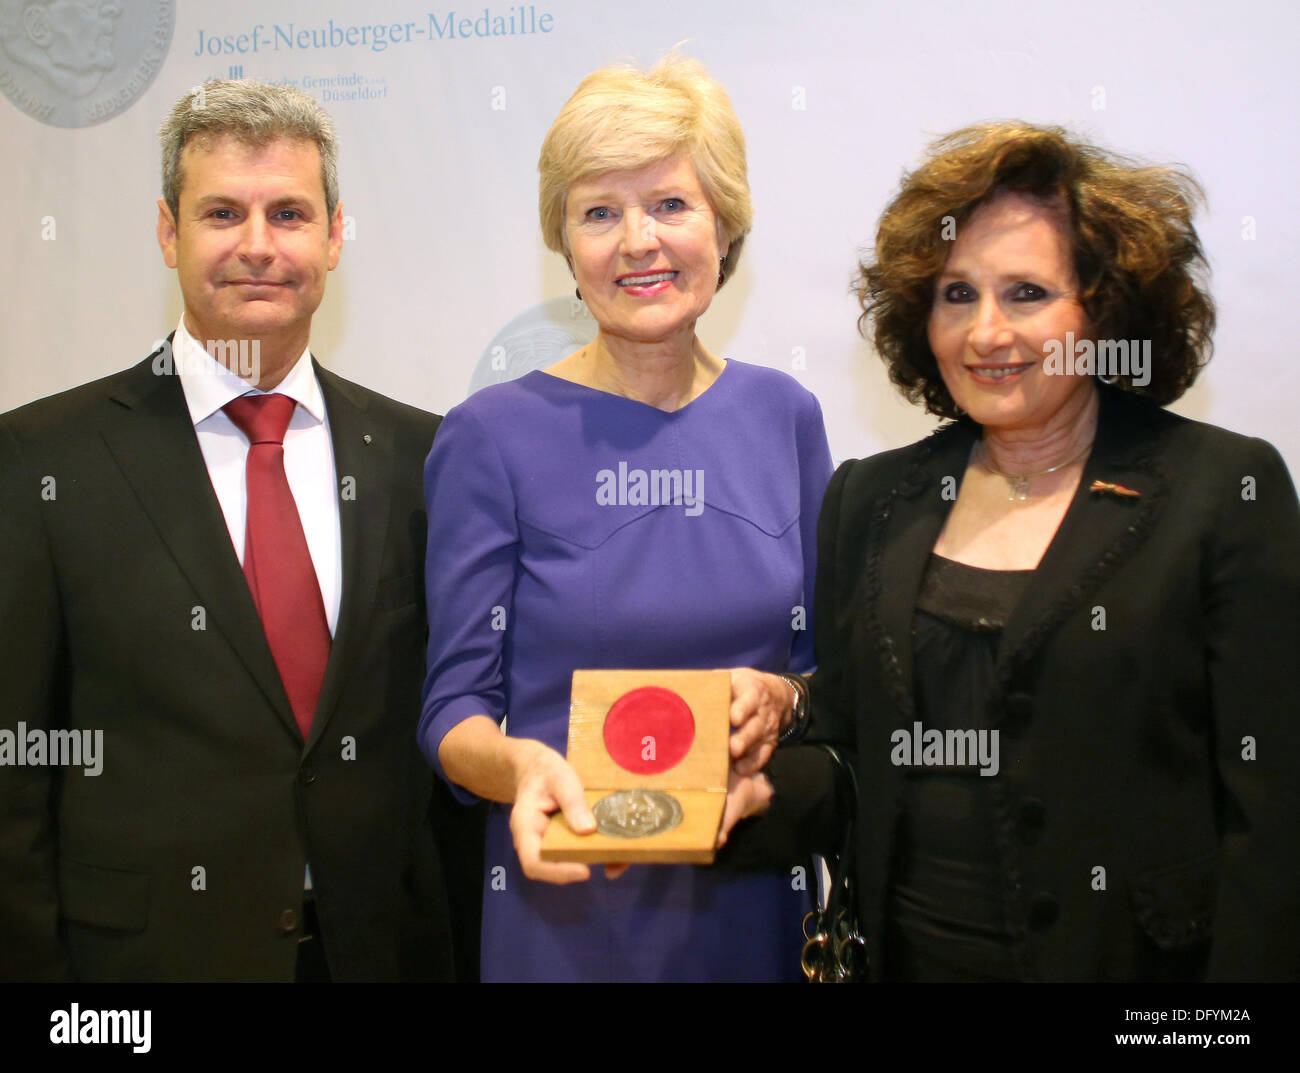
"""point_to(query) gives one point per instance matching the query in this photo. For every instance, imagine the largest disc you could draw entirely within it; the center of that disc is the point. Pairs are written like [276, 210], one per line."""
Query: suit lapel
[158, 453]
[363, 464]
[1100, 530]
[903, 530]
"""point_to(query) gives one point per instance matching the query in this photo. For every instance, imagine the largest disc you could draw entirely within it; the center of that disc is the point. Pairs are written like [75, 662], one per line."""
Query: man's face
[251, 242]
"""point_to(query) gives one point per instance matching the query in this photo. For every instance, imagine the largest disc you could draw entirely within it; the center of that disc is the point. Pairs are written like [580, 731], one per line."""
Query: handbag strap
[841, 876]
[835, 951]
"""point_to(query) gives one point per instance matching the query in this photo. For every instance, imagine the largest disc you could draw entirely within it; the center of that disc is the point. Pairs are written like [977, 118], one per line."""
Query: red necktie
[277, 563]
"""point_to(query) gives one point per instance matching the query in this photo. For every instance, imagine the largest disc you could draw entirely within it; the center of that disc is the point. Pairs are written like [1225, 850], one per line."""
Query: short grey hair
[256, 114]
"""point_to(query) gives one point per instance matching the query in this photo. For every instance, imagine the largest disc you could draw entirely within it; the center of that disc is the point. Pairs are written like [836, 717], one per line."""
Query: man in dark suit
[212, 615]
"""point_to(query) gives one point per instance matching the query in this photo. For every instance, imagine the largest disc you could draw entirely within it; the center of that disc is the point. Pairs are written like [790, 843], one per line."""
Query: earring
[722, 271]
[578, 293]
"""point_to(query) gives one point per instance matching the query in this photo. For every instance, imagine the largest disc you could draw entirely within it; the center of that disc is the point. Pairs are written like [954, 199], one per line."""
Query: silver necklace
[1019, 482]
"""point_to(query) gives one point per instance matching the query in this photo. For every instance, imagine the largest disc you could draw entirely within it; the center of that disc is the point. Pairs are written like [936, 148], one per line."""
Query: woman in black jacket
[1059, 635]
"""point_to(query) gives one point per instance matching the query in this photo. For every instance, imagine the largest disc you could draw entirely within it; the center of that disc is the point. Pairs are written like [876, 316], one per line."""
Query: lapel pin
[1114, 489]
[366, 440]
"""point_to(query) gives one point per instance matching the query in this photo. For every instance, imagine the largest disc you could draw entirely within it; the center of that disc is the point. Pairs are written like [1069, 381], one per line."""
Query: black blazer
[1121, 748]
[123, 609]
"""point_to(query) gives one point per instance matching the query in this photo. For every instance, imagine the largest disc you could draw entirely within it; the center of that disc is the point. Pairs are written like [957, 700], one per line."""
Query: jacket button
[306, 775]
[288, 921]
[1043, 911]
[1029, 820]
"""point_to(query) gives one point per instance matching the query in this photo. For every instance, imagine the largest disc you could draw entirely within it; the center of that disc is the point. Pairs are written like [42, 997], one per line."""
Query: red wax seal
[649, 730]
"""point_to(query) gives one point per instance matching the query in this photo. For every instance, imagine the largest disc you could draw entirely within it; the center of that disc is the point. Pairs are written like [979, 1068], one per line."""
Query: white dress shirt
[308, 455]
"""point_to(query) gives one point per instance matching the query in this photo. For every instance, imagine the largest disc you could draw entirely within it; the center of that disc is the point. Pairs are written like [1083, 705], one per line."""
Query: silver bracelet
[799, 720]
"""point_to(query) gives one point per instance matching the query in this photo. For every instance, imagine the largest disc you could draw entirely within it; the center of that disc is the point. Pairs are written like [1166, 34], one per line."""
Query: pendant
[1019, 489]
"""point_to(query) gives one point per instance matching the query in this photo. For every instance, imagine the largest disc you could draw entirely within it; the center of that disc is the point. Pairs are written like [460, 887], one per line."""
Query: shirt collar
[208, 385]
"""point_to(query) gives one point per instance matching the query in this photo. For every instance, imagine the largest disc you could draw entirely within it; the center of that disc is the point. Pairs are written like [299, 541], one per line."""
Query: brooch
[1114, 489]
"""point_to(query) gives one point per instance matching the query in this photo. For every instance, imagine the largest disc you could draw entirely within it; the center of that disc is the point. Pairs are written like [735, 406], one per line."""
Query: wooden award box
[665, 732]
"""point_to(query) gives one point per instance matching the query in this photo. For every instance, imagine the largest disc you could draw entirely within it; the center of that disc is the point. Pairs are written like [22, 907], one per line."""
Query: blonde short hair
[621, 119]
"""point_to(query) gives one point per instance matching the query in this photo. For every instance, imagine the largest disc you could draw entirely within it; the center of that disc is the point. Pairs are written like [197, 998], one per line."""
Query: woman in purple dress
[640, 504]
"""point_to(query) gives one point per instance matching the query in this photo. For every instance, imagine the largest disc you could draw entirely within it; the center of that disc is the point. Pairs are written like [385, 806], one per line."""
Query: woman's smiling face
[645, 250]
[1007, 291]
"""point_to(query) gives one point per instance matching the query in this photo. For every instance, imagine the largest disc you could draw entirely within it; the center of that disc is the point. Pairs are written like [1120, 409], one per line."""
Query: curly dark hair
[1138, 259]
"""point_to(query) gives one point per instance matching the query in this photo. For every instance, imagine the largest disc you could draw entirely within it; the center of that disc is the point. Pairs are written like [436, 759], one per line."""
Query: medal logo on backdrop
[75, 63]
[536, 339]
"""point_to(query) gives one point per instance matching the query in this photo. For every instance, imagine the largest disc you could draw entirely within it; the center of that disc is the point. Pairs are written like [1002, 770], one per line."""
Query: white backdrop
[439, 138]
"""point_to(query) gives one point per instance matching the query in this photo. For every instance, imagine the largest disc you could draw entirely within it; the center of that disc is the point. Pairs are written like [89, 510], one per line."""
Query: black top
[947, 921]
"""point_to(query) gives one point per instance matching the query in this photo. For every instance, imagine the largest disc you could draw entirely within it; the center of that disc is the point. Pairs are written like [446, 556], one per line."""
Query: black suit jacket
[1122, 747]
[123, 609]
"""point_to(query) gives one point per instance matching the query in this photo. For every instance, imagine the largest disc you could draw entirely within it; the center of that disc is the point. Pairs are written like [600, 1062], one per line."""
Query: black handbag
[835, 952]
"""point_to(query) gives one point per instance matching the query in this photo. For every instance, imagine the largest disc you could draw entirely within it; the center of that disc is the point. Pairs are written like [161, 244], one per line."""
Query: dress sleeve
[1253, 612]
[809, 808]
[470, 570]
[814, 475]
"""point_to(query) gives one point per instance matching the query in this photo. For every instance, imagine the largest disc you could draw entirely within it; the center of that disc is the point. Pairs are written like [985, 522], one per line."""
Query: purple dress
[570, 528]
